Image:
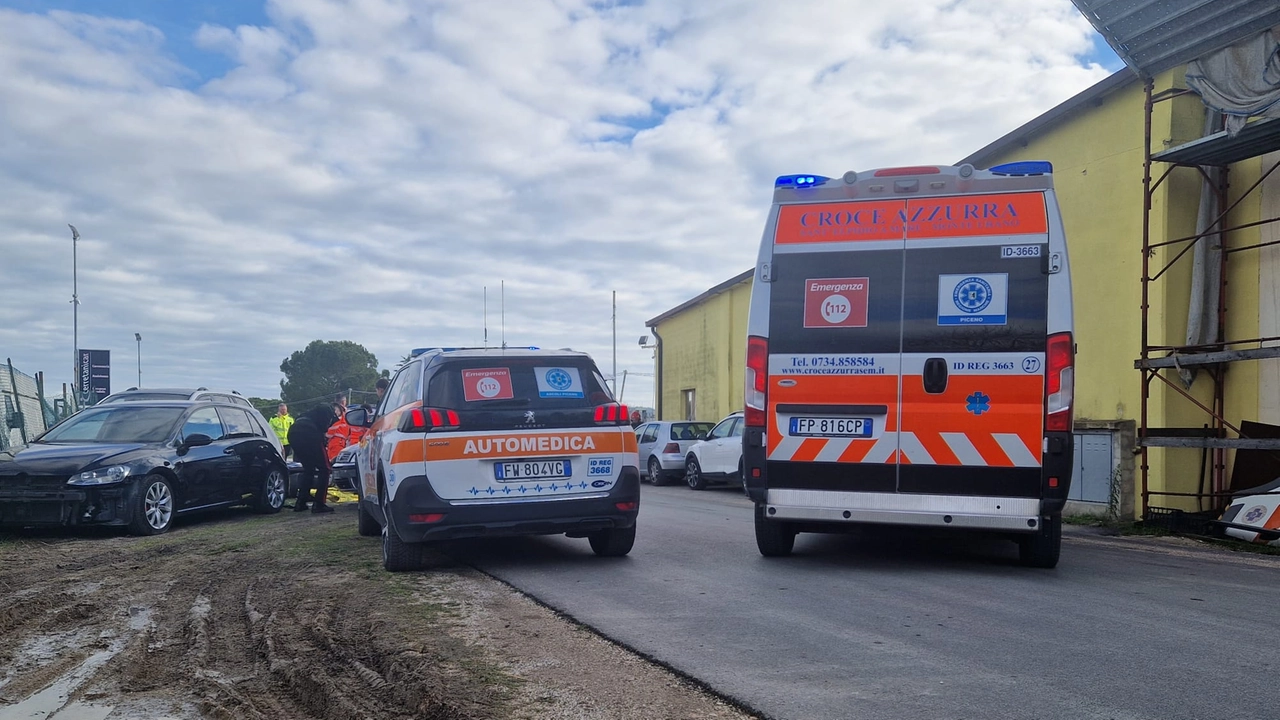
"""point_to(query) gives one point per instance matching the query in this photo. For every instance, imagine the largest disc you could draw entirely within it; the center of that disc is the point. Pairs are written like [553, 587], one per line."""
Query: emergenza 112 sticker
[835, 302]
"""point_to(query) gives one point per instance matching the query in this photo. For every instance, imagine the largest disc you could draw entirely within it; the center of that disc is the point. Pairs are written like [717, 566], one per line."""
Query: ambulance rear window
[517, 383]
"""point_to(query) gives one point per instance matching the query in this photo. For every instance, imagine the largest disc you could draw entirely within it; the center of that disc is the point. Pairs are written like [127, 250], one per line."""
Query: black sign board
[94, 382]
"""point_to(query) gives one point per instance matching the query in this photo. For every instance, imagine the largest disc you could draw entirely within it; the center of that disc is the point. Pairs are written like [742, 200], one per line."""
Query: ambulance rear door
[974, 329]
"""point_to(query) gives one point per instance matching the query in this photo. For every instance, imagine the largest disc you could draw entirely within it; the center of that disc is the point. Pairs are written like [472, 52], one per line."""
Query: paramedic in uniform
[306, 437]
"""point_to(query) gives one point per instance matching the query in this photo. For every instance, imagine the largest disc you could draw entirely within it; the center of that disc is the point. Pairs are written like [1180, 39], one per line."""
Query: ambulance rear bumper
[1010, 514]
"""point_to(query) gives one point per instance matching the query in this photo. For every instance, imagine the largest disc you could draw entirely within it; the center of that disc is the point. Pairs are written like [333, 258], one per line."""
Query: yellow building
[1094, 141]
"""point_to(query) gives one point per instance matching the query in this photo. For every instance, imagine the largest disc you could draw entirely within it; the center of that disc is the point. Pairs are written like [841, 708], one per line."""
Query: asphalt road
[890, 625]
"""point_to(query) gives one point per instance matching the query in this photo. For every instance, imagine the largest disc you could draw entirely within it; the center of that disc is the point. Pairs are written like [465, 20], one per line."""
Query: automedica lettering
[529, 444]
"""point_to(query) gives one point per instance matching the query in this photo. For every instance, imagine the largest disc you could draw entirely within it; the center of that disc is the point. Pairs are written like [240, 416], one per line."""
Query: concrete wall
[704, 349]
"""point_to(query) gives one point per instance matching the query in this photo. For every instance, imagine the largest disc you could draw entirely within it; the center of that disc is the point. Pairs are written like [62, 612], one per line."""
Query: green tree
[323, 369]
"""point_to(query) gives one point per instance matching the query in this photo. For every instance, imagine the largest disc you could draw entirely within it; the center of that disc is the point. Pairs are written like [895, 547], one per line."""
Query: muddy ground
[290, 616]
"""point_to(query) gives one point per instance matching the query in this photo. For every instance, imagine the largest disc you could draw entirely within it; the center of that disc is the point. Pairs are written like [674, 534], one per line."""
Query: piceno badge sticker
[558, 382]
[973, 299]
[486, 384]
[835, 302]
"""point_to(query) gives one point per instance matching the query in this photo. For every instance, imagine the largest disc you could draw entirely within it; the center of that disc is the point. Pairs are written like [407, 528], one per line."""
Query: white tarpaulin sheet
[1241, 81]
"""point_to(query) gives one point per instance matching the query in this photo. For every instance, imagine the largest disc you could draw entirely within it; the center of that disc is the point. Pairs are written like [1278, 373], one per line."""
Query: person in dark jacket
[306, 437]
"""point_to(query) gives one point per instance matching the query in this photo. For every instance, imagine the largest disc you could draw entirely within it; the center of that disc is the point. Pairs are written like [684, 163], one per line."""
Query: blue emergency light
[1027, 167]
[799, 181]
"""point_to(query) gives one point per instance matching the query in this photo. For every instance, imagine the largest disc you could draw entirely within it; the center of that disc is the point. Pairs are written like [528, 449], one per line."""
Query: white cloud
[367, 166]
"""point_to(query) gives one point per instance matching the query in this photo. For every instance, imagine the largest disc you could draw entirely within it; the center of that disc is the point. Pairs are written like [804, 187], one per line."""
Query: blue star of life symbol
[972, 295]
[1255, 514]
[559, 379]
[978, 403]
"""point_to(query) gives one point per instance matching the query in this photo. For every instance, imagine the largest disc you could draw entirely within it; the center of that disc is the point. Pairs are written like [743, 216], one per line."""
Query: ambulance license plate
[532, 470]
[831, 427]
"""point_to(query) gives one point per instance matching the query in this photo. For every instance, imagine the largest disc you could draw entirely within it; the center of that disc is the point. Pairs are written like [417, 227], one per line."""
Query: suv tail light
[757, 395]
[1059, 383]
[612, 414]
[428, 419]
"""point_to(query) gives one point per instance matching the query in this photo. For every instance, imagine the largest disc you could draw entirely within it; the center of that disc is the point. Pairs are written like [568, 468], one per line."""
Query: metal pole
[138, 337]
[1145, 309]
[75, 308]
[615, 344]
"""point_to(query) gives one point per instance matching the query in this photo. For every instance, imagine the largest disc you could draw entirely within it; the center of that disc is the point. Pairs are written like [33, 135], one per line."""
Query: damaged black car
[141, 464]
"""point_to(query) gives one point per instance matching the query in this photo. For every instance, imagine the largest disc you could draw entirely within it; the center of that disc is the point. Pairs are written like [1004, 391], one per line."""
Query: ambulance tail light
[428, 419]
[757, 390]
[612, 414]
[1059, 383]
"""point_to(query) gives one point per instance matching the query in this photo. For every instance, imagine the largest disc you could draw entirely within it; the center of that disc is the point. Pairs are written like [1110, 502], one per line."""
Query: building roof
[740, 278]
[1020, 137]
[1152, 36]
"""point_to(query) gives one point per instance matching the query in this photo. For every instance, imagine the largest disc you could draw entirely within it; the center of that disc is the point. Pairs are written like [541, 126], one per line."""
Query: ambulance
[492, 442]
[910, 356]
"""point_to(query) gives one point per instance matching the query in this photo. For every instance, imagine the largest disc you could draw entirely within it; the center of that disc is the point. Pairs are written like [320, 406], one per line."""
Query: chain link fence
[25, 408]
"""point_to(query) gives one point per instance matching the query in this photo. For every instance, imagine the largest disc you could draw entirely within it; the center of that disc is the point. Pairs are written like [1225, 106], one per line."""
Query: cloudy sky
[251, 175]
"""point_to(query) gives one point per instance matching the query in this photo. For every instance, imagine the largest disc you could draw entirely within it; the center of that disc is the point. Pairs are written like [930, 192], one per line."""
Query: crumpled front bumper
[21, 507]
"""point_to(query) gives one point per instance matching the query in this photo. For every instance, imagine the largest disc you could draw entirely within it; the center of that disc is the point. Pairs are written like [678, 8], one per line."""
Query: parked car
[663, 445]
[201, 393]
[718, 458]
[140, 464]
[342, 474]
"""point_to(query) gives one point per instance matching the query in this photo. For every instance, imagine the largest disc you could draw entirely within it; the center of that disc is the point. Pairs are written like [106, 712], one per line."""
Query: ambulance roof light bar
[900, 171]
[799, 181]
[1026, 167]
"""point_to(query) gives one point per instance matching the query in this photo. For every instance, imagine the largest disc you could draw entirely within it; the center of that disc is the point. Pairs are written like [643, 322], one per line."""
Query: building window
[690, 405]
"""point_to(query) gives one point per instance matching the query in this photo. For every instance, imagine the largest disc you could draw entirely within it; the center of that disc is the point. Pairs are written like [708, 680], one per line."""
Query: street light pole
[138, 337]
[75, 312]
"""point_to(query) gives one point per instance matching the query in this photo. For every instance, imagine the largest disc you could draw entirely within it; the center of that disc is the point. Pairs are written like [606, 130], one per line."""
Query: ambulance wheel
[614, 542]
[1042, 548]
[693, 474]
[398, 555]
[366, 524]
[656, 475]
[773, 538]
[742, 475]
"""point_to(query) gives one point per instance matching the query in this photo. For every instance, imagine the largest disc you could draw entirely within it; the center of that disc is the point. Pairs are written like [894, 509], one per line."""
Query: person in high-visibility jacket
[280, 424]
[340, 435]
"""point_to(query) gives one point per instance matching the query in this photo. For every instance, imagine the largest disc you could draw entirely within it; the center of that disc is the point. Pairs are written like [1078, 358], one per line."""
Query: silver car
[663, 444]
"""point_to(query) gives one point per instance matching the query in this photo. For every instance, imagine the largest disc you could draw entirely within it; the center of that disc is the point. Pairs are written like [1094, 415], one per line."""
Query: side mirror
[359, 417]
[193, 440]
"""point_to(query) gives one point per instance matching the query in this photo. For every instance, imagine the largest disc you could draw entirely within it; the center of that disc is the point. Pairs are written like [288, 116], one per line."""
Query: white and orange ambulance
[909, 356]
[488, 442]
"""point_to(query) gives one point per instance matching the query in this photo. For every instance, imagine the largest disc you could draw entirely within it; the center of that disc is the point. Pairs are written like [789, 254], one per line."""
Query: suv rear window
[518, 383]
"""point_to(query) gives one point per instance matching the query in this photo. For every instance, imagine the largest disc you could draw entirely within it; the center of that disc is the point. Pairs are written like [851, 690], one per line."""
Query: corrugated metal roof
[1257, 138]
[1152, 36]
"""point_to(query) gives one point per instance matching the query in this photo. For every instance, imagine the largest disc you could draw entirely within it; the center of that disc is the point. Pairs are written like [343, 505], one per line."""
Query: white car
[718, 458]
[663, 446]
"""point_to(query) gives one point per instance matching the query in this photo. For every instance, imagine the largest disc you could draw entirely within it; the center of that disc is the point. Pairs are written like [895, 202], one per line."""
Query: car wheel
[153, 507]
[742, 475]
[614, 542]
[271, 493]
[693, 474]
[656, 474]
[1042, 548]
[773, 538]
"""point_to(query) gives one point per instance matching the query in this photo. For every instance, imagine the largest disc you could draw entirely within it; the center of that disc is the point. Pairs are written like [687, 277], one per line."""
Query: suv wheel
[773, 538]
[271, 492]
[398, 555]
[693, 474]
[656, 474]
[614, 542]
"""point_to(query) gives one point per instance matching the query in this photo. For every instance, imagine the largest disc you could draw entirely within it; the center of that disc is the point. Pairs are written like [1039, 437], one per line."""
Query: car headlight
[101, 476]
[346, 456]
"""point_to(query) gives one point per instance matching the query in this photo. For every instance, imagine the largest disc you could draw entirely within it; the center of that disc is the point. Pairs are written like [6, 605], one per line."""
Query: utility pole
[615, 344]
[75, 311]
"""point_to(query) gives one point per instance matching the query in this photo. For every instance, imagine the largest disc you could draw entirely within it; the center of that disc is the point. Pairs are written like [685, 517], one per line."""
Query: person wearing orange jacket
[340, 435]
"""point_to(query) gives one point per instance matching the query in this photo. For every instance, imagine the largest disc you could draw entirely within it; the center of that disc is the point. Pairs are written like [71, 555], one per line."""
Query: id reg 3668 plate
[831, 427]
[532, 470]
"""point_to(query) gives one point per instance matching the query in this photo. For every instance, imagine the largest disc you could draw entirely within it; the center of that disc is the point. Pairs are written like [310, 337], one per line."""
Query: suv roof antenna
[485, 289]
[502, 304]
